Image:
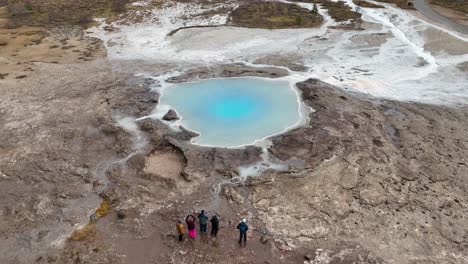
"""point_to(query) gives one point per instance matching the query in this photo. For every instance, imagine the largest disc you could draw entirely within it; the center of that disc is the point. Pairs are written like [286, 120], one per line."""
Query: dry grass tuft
[88, 233]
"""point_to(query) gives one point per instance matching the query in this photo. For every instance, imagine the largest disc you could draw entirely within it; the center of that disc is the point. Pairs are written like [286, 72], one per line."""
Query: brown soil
[24, 49]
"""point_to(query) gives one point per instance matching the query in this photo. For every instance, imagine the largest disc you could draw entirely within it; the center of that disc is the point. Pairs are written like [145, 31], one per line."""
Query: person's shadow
[214, 242]
[204, 238]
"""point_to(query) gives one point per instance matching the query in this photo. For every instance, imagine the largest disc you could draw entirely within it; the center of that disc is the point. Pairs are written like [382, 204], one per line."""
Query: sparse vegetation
[363, 3]
[299, 20]
[274, 15]
[315, 9]
[340, 11]
[88, 232]
[39, 13]
[119, 6]
[400, 3]
[459, 5]
[103, 208]
[28, 7]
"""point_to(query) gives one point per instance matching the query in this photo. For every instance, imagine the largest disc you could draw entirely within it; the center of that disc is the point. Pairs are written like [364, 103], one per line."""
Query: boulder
[171, 115]
[121, 214]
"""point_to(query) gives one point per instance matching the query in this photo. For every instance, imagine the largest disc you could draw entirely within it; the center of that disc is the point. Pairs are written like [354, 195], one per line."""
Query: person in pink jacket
[190, 220]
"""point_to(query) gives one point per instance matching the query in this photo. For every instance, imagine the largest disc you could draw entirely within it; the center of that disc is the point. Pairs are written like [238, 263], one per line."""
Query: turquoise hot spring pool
[234, 112]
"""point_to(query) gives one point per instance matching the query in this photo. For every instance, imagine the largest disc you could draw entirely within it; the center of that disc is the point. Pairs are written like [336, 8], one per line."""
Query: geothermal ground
[95, 168]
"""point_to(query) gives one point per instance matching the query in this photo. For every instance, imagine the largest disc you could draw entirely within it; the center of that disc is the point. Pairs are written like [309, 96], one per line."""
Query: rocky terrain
[377, 174]
[366, 179]
[82, 180]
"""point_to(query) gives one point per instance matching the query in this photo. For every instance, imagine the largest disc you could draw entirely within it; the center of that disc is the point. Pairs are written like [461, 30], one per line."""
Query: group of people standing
[190, 220]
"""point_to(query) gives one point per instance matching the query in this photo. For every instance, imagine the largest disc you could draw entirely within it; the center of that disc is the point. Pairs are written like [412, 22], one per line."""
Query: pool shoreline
[161, 109]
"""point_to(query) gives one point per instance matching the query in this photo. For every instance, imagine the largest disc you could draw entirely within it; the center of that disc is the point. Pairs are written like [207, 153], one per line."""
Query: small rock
[109, 129]
[309, 257]
[349, 177]
[233, 195]
[110, 196]
[137, 161]
[121, 214]
[98, 183]
[406, 173]
[296, 165]
[377, 142]
[3, 175]
[264, 239]
[171, 116]
[93, 217]
[148, 125]
[374, 194]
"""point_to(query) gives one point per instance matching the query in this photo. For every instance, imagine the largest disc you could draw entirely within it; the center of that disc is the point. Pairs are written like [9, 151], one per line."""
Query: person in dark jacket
[190, 220]
[203, 219]
[214, 225]
[243, 228]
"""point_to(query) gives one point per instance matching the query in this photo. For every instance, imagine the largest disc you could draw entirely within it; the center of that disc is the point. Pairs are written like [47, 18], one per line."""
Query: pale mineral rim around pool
[235, 112]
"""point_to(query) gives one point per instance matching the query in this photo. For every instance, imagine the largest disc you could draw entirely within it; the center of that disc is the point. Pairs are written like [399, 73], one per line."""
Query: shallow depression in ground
[236, 111]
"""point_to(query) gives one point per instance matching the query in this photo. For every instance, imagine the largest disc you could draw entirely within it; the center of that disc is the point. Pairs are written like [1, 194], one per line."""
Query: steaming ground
[396, 57]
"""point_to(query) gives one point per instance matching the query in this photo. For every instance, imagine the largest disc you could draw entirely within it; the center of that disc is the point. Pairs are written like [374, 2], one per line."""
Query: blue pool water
[234, 112]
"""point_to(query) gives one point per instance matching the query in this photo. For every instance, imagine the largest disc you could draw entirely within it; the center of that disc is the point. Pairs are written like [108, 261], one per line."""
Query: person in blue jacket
[203, 219]
[243, 228]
